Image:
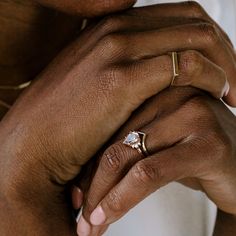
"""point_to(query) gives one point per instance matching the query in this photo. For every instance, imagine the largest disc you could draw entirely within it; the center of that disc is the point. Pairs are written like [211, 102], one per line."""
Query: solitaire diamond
[133, 139]
[136, 140]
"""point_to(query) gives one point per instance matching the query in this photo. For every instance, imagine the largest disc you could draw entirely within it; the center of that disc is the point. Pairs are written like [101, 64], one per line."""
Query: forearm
[29, 212]
[225, 224]
[19, 220]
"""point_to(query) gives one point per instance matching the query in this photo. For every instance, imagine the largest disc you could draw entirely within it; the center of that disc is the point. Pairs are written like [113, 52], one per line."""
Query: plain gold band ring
[175, 64]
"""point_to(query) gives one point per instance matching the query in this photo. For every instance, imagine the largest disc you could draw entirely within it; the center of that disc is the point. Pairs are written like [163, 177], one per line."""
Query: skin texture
[64, 100]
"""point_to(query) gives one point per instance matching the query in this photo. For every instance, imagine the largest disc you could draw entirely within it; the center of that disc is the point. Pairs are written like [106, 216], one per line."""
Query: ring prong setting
[136, 140]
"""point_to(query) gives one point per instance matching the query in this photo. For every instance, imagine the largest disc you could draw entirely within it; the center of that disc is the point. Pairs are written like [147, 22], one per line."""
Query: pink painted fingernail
[98, 216]
[83, 227]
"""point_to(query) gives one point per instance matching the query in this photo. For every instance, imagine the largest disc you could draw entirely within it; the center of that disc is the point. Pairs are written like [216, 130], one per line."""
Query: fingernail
[83, 227]
[77, 198]
[98, 216]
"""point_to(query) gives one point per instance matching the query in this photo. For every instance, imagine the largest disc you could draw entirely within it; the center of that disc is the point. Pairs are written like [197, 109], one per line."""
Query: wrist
[32, 204]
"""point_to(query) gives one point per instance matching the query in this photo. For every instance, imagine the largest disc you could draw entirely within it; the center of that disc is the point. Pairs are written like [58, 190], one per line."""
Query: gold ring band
[175, 65]
[144, 148]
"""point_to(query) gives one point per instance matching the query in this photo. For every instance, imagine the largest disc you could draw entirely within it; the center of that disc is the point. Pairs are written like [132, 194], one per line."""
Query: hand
[193, 144]
[70, 111]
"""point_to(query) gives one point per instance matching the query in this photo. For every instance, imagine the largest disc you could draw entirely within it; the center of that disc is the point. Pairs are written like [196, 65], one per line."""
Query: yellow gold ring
[175, 65]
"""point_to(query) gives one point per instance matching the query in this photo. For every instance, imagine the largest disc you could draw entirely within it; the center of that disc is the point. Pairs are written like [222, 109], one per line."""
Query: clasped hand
[90, 91]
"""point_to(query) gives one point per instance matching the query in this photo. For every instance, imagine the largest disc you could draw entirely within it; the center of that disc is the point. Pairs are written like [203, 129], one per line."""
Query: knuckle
[200, 113]
[195, 9]
[191, 65]
[114, 202]
[209, 34]
[145, 174]
[217, 148]
[110, 24]
[113, 157]
[220, 145]
[215, 142]
[112, 46]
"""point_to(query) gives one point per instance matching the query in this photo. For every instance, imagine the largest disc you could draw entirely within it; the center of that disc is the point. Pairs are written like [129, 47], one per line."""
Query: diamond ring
[136, 140]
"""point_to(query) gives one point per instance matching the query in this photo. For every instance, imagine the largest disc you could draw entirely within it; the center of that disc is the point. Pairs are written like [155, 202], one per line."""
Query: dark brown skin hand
[191, 139]
[85, 91]
[63, 119]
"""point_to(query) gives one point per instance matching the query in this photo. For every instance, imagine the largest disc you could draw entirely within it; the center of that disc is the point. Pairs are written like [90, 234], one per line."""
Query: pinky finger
[77, 197]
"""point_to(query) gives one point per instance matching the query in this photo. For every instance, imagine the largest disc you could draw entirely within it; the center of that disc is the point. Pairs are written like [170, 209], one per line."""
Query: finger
[113, 166]
[155, 108]
[84, 228]
[157, 17]
[99, 230]
[181, 13]
[188, 10]
[144, 178]
[194, 70]
[200, 37]
[77, 197]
